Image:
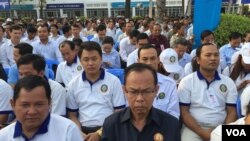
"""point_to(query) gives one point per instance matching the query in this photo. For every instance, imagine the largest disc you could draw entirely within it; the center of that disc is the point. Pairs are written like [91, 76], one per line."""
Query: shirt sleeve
[58, 74]
[6, 94]
[13, 75]
[74, 134]
[122, 51]
[118, 99]
[184, 92]
[71, 100]
[231, 97]
[58, 99]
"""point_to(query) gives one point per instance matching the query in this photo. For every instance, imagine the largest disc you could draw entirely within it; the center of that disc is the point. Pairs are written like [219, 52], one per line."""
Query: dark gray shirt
[118, 127]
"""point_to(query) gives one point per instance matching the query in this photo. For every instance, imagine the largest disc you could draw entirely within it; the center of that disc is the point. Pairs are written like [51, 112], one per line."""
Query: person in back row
[166, 98]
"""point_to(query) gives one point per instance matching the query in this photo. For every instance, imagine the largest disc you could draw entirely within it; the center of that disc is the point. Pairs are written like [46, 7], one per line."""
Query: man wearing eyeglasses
[140, 121]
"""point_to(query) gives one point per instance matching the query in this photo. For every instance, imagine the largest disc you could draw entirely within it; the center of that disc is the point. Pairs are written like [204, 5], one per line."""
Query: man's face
[31, 35]
[180, 50]
[43, 33]
[91, 62]
[156, 30]
[107, 48]
[140, 91]
[53, 30]
[128, 27]
[75, 31]
[68, 54]
[15, 35]
[27, 69]
[16, 54]
[208, 39]
[133, 40]
[142, 42]
[31, 107]
[209, 58]
[149, 56]
[101, 34]
[235, 42]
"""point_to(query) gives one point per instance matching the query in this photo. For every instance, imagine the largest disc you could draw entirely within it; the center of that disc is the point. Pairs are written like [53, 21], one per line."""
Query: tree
[160, 5]
[127, 8]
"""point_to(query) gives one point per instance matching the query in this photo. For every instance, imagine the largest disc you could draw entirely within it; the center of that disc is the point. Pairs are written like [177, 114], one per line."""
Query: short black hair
[100, 27]
[24, 48]
[234, 35]
[70, 43]
[15, 27]
[90, 46]
[29, 83]
[108, 40]
[149, 46]
[134, 33]
[206, 33]
[139, 67]
[44, 25]
[31, 29]
[66, 29]
[142, 36]
[77, 41]
[37, 61]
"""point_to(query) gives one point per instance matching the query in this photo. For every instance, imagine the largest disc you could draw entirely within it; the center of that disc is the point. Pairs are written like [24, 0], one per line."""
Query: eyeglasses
[144, 93]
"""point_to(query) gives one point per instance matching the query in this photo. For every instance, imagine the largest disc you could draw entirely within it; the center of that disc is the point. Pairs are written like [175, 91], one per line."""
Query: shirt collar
[101, 77]
[152, 116]
[74, 61]
[43, 128]
[201, 77]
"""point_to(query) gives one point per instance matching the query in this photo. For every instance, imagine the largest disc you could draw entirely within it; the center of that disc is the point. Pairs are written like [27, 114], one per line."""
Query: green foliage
[230, 23]
[82, 18]
[137, 18]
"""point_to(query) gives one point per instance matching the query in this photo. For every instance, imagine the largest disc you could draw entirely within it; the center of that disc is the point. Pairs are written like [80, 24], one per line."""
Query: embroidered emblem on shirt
[161, 95]
[172, 59]
[79, 68]
[176, 76]
[158, 137]
[223, 88]
[104, 88]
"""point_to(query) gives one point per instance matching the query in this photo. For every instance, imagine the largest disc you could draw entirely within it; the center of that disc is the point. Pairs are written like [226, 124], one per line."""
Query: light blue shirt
[186, 58]
[97, 40]
[48, 51]
[113, 57]
[13, 75]
[226, 52]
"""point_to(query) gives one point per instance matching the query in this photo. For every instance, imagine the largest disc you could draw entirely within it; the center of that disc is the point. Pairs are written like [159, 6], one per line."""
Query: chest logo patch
[223, 88]
[79, 68]
[161, 95]
[104, 88]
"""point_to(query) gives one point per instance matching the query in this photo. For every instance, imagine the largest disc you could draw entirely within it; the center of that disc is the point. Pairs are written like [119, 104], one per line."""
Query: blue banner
[206, 16]
[5, 5]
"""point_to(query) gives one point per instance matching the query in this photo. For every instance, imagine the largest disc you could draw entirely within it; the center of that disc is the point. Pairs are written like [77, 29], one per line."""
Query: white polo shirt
[132, 57]
[216, 134]
[245, 100]
[58, 97]
[126, 48]
[6, 94]
[167, 98]
[66, 72]
[95, 101]
[6, 54]
[54, 128]
[177, 76]
[207, 101]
